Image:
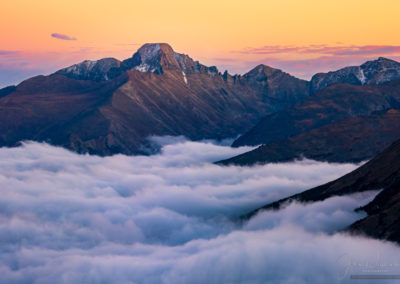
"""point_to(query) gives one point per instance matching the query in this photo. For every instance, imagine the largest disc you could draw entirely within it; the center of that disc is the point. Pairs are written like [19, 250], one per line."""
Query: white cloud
[68, 218]
[327, 216]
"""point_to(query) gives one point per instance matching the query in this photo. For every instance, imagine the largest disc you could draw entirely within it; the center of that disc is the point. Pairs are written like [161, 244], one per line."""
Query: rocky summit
[370, 73]
[95, 70]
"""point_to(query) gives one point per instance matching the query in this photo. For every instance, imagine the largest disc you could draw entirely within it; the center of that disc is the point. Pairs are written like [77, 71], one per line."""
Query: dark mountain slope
[383, 220]
[333, 103]
[41, 104]
[7, 90]
[353, 139]
[382, 172]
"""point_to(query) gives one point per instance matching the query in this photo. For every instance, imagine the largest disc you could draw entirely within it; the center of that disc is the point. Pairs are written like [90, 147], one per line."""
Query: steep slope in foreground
[382, 172]
[383, 220]
[107, 106]
[354, 139]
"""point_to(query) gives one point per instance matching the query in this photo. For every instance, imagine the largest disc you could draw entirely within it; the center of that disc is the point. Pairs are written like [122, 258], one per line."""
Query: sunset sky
[299, 36]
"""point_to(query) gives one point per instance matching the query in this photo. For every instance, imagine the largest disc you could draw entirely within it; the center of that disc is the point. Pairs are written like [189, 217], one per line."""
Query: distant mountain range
[108, 106]
[347, 121]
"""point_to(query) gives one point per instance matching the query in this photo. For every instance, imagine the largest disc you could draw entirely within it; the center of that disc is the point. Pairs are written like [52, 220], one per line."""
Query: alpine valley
[108, 107]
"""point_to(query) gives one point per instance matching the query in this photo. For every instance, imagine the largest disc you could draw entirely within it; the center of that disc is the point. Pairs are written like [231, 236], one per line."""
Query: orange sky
[229, 34]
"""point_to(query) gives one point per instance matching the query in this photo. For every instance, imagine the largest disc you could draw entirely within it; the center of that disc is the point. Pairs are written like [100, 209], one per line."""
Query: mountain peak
[150, 57]
[381, 61]
[96, 70]
[384, 59]
[372, 72]
[158, 45]
[159, 57]
[276, 84]
[150, 50]
[154, 57]
[263, 71]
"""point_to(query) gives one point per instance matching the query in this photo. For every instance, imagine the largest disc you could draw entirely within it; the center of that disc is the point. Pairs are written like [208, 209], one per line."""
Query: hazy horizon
[299, 37]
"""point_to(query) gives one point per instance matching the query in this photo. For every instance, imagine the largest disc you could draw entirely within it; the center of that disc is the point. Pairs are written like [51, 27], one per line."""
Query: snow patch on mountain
[361, 76]
[143, 67]
[184, 77]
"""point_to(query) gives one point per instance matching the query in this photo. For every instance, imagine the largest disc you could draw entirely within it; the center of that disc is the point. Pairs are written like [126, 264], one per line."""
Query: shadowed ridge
[382, 172]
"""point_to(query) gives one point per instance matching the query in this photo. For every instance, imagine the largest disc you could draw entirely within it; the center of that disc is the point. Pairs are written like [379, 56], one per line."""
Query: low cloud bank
[167, 218]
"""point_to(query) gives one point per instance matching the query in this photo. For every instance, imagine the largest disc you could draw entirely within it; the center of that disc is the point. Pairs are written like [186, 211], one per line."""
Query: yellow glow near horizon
[199, 27]
[209, 31]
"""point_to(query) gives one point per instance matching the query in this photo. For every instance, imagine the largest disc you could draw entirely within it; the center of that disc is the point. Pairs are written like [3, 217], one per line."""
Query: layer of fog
[170, 217]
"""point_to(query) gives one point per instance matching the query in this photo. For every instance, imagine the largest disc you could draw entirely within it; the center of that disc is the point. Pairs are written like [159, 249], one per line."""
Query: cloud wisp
[323, 49]
[63, 36]
[168, 218]
[8, 52]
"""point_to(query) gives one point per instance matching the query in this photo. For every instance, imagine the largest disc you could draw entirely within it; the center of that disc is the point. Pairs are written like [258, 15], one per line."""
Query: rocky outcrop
[370, 73]
[95, 70]
[276, 85]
